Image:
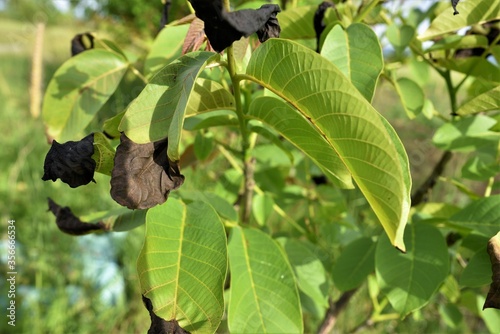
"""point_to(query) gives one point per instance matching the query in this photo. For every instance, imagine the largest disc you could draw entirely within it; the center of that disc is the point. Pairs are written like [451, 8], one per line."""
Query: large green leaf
[295, 127]
[484, 102]
[208, 95]
[166, 47]
[481, 216]
[78, 89]
[311, 275]
[355, 263]
[160, 109]
[357, 54]
[263, 294]
[297, 23]
[363, 140]
[471, 12]
[410, 280]
[182, 265]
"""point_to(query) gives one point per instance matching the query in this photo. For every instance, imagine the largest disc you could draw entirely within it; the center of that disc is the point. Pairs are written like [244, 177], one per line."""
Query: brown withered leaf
[223, 28]
[71, 162]
[160, 325]
[195, 36]
[143, 176]
[68, 223]
[78, 44]
[493, 297]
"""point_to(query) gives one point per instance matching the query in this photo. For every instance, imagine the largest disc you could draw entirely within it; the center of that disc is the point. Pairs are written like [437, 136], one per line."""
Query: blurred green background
[88, 284]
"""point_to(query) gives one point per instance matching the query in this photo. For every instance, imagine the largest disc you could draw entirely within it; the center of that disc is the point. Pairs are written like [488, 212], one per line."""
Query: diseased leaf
[143, 176]
[68, 223]
[159, 325]
[104, 154]
[319, 25]
[454, 4]
[195, 36]
[71, 162]
[223, 28]
[493, 298]
[78, 45]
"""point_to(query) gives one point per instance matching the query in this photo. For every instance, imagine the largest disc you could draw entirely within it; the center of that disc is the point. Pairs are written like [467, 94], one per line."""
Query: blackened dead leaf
[71, 162]
[143, 176]
[454, 5]
[223, 28]
[69, 223]
[78, 44]
[493, 298]
[319, 25]
[160, 325]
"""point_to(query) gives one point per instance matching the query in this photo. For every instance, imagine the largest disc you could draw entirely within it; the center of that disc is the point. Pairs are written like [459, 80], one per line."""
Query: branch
[333, 311]
[419, 195]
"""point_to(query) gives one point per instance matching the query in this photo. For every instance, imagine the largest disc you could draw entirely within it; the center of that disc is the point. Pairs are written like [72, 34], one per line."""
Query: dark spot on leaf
[493, 297]
[68, 223]
[71, 162]
[78, 44]
[319, 25]
[160, 325]
[454, 5]
[143, 175]
[223, 28]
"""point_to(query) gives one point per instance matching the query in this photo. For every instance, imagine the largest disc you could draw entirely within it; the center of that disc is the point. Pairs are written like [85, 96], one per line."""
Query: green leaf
[159, 110]
[182, 265]
[490, 316]
[455, 42]
[481, 216]
[485, 102]
[412, 96]
[129, 220]
[354, 131]
[78, 89]
[104, 154]
[349, 51]
[355, 263]
[211, 119]
[474, 66]
[400, 36]
[110, 126]
[297, 23]
[471, 13]
[450, 314]
[203, 145]
[166, 47]
[410, 280]
[482, 166]
[221, 205]
[262, 207]
[296, 129]
[272, 137]
[208, 95]
[478, 270]
[466, 134]
[264, 297]
[309, 271]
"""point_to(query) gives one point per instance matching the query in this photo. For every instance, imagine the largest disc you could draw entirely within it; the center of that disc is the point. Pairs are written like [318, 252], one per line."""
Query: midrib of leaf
[250, 273]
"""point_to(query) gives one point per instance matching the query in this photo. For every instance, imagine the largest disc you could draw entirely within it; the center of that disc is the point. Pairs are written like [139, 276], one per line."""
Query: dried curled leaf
[68, 223]
[195, 36]
[143, 175]
[493, 297]
[319, 25]
[71, 162]
[78, 45]
[223, 28]
[454, 4]
[160, 325]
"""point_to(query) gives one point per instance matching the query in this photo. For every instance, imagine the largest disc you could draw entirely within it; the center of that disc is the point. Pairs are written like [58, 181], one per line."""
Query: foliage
[287, 151]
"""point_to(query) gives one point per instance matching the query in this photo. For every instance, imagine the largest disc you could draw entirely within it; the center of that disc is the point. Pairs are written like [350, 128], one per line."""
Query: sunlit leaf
[487, 101]
[349, 50]
[182, 265]
[104, 154]
[78, 89]
[344, 121]
[412, 96]
[471, 12]
[481, 216]
[478, 270]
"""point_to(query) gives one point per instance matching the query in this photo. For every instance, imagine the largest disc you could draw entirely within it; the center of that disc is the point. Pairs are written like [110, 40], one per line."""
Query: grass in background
[55, 292]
